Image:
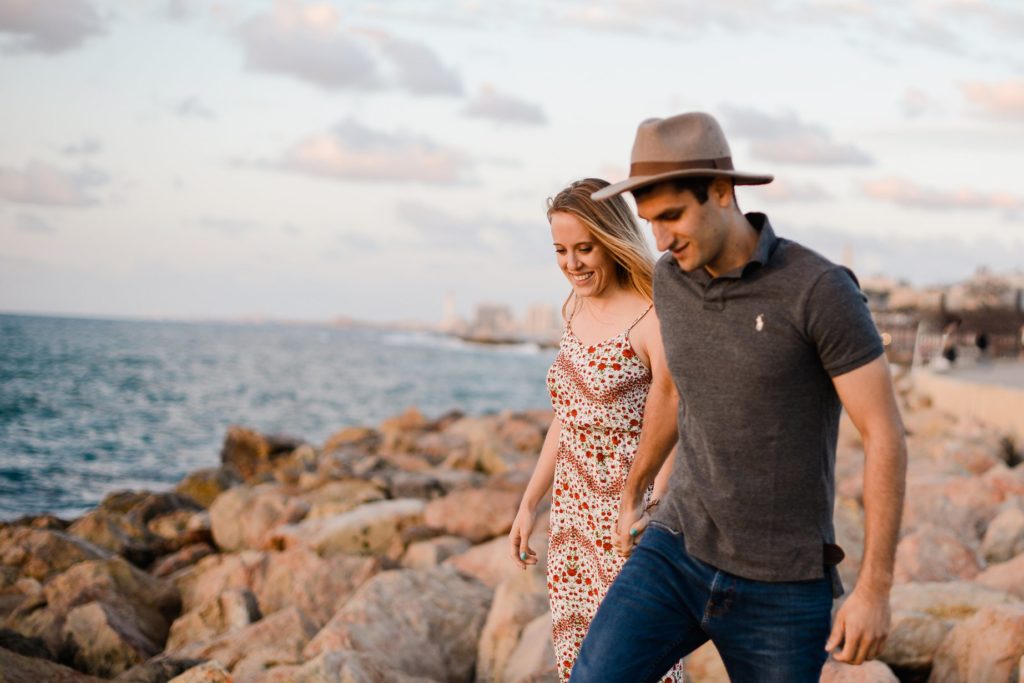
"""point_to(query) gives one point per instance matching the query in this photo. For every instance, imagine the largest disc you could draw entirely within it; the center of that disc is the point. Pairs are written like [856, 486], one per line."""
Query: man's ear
[721, 191]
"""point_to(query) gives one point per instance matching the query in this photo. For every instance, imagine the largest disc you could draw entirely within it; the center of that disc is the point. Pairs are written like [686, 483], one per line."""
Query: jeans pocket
[654, 524]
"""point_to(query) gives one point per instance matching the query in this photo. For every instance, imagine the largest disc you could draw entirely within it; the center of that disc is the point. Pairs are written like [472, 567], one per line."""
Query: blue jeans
[666, 603]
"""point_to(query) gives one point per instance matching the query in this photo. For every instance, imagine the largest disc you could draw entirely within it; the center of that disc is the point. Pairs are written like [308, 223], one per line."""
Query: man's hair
[698, 185]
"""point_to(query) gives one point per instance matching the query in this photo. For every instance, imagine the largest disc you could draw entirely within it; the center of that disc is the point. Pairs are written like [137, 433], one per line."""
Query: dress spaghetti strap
[639, 318]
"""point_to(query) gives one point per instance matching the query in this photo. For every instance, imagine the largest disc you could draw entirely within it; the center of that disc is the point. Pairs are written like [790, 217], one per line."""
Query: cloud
[227, 226]
[307, 41]
[42, 184]
[192, 107]
[49, 26]
[29, 222]
[86, 147]
[997, 100]
[916, 102]
[908, 194]
[502, 237]
[791, 191]
[491, 104]
[352, 151]
[784, 138]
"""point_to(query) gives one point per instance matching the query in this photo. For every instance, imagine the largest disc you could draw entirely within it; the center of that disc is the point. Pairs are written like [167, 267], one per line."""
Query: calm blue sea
[92, 406]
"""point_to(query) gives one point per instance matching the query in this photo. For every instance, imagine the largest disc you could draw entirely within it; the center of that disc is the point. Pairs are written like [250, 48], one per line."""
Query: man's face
[693, 232]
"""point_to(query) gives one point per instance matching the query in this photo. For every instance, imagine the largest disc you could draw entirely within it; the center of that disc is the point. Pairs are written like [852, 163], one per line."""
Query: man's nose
[662, 237]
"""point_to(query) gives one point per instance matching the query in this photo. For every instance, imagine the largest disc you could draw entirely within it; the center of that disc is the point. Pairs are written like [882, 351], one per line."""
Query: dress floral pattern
[598, 394]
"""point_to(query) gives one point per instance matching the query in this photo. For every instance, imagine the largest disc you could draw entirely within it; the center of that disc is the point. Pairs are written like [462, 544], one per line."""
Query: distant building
[542, 324]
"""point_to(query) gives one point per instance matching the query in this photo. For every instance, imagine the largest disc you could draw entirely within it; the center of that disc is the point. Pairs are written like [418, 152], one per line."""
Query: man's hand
[861, 626]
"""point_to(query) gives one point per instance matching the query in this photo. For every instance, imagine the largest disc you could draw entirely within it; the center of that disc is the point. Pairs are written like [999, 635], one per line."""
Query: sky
[308, 160]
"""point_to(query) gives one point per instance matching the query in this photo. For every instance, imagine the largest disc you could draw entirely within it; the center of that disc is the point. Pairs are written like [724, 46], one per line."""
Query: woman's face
[587, 265]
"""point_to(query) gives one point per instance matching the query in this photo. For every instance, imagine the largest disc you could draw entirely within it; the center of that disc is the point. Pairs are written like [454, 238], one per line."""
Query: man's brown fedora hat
[677, 147]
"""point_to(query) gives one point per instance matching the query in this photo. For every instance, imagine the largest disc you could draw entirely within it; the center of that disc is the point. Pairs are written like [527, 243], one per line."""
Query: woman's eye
[585, 250]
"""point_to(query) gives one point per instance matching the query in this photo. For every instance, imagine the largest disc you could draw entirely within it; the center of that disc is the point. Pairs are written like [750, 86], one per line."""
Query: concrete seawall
[991, 394]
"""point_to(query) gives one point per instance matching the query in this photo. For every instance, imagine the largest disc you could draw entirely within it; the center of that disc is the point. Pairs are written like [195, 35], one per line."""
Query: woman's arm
[540, 482]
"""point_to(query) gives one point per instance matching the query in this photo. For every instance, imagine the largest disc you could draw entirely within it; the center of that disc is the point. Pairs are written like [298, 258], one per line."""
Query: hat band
[642, 168]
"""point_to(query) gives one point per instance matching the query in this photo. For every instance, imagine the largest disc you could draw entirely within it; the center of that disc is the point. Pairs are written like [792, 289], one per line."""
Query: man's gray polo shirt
[753, 353]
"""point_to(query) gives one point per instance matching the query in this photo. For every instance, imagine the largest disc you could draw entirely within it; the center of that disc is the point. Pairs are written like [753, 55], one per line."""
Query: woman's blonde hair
[613, 227]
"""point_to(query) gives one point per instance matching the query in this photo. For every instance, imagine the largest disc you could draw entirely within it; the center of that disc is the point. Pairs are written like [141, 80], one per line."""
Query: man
[766, 342]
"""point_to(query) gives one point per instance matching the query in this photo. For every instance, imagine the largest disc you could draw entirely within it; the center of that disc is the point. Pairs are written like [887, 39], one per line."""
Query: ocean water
[92, 406]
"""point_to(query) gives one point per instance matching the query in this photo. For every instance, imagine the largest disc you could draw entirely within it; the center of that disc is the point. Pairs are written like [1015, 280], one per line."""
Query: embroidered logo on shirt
[759, 323]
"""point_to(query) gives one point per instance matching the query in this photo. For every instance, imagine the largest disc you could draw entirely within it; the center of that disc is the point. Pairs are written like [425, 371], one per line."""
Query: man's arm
[862, 623]
[659, 434]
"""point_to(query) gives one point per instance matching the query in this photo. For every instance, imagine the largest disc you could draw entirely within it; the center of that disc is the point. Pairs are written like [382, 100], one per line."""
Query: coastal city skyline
[194, 159]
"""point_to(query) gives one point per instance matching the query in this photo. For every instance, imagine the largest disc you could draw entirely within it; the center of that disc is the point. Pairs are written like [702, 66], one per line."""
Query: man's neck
[740, 244]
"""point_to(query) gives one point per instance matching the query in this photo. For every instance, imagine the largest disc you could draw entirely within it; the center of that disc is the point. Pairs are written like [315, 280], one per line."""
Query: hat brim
[636, 182]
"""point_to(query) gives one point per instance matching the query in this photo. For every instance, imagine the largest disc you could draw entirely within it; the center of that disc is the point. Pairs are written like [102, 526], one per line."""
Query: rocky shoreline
[382, 555]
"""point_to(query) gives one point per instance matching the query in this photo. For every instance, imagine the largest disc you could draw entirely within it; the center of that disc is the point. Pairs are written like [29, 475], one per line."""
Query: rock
[341, 666]
[207, 672]
[1005, 576]
[476, 514]
[432, 552]
[16, 668]
[987, 646]
[1004, 538]
[522, 434]
[872, 671]
[705, 665]
[491, 562]
[109, 639]
[534, 656]
[424, 622]
[336, 497]
[203, 486]
[922, 615]
[934, 554]
[296, 577]
[484, 453]
[848, 520]
[399, 433]
[115, 582]
[111, 531]
[280, 636]
[185, 557]
[369, 529]
[361, 439]
[243, 516]
[252, 454]
[232, 610]
[24, 645]
[517, 601]
[160, 669]
[43, 553]
[181, 528]
[303, 579]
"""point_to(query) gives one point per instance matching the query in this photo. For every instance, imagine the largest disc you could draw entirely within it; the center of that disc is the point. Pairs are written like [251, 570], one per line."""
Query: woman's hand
[519, 537]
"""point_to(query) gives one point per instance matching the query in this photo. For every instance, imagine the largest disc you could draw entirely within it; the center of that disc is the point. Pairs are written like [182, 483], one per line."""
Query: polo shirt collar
[766, 244]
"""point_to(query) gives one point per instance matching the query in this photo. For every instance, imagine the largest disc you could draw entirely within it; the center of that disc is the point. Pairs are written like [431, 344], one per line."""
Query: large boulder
[425, 622]
[341, 666]
[242, 516]
[114, 582]
[933, 554]
[180, 559]
[207, 672]
[15, 668]
[108, 639]
[988, 646]
[203, 486]
[433, 551]
[252, 454]
[517, 601]
[533, 658]
[1005, 576]
[475, 514]
[160, 669]
[1004, 538]
[491, 562]
[279, 637]
[335, 497]
[43, 553]
[114, 532]
[872, 671]
[370, 529]
[232, 610]
[922, 615]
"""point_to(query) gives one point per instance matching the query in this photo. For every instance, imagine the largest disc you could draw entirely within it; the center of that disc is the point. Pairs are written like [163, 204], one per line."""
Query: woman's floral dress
[598, 393]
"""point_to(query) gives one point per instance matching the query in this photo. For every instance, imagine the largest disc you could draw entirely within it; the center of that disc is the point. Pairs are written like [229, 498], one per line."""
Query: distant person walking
[608, 377]
[766, 341]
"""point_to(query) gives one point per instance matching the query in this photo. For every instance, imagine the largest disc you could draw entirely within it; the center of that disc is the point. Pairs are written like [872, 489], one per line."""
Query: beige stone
[425, 622]
[15, 668]
[1005, 576]
[931, 553]
[433, 551]
[207, 672]
[872, 671]
[517, 601]
[109, 639]
[43, 553]
[233, 609]
[534, 655]
[243, 516]
[1004, 538]
[987, 646]
[492, 562]
[704, 665]
[369, 529]
[203, 486]
[281, 635]
[475, 514]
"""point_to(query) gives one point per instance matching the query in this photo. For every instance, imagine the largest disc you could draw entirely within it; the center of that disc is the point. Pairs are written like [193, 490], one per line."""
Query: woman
[610, 352]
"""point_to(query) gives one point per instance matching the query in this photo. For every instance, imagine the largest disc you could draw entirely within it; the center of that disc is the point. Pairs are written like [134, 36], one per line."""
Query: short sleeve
[839, 323]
